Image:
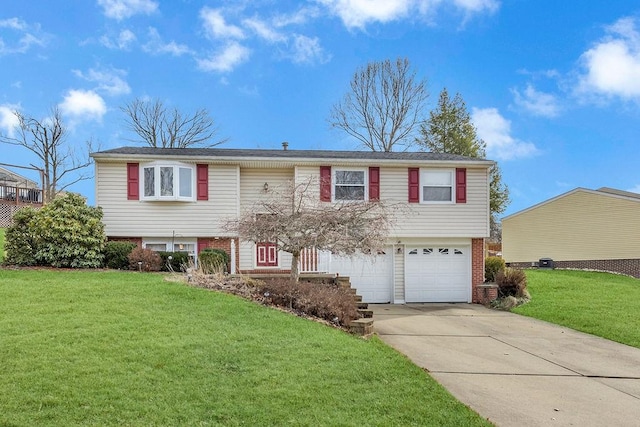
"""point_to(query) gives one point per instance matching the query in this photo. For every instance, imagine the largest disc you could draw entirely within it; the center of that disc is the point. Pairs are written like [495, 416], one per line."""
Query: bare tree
[295, 220]
[60, 165]
[384, 106]
[158, 126]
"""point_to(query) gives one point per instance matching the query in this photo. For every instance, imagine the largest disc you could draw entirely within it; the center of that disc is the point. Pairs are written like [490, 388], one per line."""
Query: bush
[178, 262]
[212, 261]
[116, 254]
[492, 266]
[149, 260]
[512, 282]
[63, 233]
[326, 301]
[20, 240]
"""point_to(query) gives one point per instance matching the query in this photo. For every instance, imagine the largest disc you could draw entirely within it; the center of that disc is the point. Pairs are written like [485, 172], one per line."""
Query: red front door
[267, 254]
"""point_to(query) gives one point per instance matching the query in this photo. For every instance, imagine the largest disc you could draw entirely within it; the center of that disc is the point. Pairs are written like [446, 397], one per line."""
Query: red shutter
[133, 181]
[414, 185]
[202, 178]
[461, 185]
[325, 183]
[374, 183]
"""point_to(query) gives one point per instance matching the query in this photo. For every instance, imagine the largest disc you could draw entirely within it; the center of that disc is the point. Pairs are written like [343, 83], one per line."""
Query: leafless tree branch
[383, 107]
[47, 140]
[159, 127]
[295, 219]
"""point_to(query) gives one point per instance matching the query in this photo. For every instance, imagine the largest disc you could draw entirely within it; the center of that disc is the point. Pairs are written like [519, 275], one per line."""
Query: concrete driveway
[517, 371]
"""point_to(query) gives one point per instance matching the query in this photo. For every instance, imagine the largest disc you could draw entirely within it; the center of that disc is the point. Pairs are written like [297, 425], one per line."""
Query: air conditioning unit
[546, 263]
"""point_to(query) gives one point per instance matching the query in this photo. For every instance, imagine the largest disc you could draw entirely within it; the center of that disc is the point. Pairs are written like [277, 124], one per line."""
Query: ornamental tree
[294, 218]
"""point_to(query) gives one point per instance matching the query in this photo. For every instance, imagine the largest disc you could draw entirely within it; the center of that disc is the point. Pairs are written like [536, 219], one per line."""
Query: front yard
[116, 348]
[601, 304]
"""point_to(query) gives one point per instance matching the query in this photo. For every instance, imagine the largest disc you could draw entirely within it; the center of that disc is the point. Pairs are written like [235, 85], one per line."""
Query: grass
[2, 230]
[602, 304]
[128, 349]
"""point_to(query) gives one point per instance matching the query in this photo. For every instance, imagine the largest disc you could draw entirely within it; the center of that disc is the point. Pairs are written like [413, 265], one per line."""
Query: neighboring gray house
[16, 191]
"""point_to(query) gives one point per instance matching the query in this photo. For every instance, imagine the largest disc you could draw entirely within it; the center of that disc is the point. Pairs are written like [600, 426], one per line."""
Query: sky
[553, 87]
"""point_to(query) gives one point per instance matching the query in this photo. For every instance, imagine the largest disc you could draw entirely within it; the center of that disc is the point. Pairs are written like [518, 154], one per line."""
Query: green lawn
[601, 304]
[128, 349]
[1, 245]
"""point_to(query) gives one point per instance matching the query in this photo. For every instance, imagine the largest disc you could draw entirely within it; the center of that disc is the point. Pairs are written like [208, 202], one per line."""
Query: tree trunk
[295, 271]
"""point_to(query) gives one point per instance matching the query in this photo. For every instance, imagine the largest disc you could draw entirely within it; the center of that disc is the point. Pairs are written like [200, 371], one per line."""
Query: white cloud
[299, 17]
[537, 103]
[495, 131]
[122, 9]
[612, 65]
[8, 120]
[123, 41]
[308, 50]
[157, 46]
[110, 81]
[264, 30]
[21, 36]
[477, 6]
[359, 13]
[229, 57]
[83, 105]
[216, 26]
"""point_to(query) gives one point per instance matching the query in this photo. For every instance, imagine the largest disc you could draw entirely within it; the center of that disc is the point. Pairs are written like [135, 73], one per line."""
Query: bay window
[168, 182]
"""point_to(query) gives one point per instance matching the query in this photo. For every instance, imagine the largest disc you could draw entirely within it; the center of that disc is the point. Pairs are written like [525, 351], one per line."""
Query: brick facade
[630, 267]
[477, 271]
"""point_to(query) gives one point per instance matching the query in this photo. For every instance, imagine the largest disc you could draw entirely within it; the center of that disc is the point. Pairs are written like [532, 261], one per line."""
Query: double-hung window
[168, 182]
[437, 186]
[350, 184]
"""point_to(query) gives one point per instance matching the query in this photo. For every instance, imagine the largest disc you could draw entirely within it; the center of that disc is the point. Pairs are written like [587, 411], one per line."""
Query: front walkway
[514, 370]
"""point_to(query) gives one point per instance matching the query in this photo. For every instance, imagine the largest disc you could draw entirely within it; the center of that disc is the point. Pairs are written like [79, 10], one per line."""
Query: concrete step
[362, 305]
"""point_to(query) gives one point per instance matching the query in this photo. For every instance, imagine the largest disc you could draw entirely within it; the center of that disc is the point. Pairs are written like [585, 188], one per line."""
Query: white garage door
[371, 276]
[437, 273]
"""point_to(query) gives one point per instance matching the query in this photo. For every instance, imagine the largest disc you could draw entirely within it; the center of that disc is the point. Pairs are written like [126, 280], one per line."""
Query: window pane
[166, 181]
[349, 193]
[158, 247]
[149, 182]
[185, 182]
[436, 194]
[437, 178]
[350, 177]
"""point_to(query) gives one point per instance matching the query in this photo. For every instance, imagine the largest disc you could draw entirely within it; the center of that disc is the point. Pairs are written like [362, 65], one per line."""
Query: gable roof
[603, 191]
[288, 156]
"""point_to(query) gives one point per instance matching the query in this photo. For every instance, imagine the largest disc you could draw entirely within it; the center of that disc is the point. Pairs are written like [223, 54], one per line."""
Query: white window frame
[424, 183]
[173, 245]
[176, 181]
[334, 183]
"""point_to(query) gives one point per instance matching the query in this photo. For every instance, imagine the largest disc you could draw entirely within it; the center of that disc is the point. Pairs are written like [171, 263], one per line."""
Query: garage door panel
[371, 276]
[437, 274]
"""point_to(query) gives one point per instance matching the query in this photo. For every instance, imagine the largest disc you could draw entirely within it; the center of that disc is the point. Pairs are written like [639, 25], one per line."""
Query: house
[584, 229]
[16, 191]
[179, 199]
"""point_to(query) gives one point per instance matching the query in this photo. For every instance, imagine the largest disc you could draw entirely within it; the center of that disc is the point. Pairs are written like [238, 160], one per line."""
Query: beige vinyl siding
[132, 218]
[583, 225]
[469, 219]
[251, 192]
[398, 274]
[252, 184]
